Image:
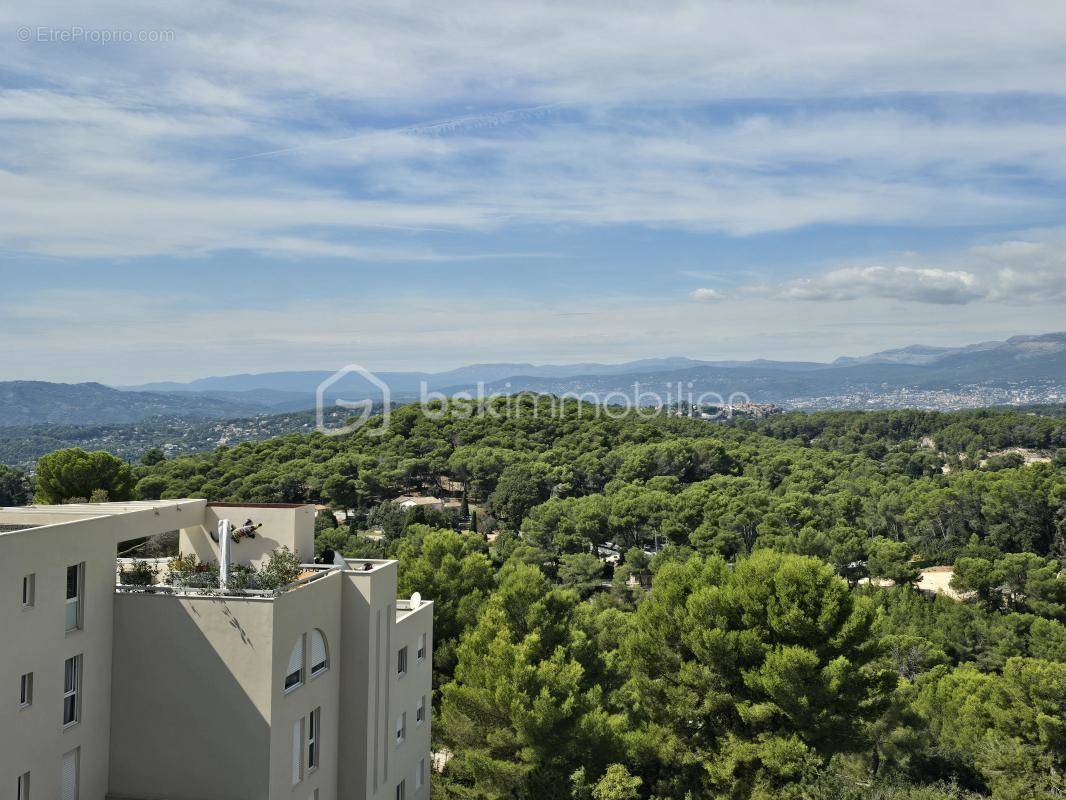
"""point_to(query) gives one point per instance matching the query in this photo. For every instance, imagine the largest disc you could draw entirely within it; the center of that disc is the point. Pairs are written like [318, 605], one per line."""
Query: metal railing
[319, 571]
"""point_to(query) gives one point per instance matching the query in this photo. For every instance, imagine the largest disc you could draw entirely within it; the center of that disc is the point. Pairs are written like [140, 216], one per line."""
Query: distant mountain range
[923, 354]
[293, 391]
[1037, 361]
[1021, 369]
[281, 388]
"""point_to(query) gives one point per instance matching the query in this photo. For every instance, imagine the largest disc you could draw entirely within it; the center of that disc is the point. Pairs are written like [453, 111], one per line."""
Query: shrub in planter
[282, 568]
[242, 578]
[139, 573]
[187, 570]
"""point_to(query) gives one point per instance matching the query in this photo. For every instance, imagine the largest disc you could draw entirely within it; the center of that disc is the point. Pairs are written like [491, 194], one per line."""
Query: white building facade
[317, 691]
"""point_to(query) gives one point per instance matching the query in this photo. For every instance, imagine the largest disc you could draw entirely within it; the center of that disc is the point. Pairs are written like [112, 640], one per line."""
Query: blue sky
[419, 186]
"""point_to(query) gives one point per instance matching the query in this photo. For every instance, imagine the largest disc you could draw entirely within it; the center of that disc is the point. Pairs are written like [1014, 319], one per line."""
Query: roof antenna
[225, 542]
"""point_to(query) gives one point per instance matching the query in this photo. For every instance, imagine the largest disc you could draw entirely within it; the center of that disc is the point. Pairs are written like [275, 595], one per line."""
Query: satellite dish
[416, 600]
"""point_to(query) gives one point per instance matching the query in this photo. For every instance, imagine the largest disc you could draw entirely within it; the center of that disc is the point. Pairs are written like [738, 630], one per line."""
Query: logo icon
[366, 405]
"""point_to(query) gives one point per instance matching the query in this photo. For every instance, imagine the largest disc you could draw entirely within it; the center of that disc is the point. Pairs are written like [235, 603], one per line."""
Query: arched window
[294, 676]
[319, 653]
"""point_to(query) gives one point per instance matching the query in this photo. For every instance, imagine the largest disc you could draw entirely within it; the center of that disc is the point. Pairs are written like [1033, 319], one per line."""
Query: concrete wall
[368, 604]
[33, 739]
[219, 665]
[192, 693]
[316, 604]
[406, 692]
[372, 693]
[292, 526]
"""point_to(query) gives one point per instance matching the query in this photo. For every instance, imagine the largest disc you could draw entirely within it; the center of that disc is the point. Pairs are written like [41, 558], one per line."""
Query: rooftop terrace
[168, 586]
[164, 582]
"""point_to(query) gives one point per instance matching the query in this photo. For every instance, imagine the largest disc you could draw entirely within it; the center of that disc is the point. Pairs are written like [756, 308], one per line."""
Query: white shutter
[70, 776]
[318, 651]
[297, 751]
[296, 659]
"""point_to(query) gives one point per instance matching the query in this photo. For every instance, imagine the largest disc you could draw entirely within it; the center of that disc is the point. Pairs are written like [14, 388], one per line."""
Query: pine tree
[523, 714]
[744, 679]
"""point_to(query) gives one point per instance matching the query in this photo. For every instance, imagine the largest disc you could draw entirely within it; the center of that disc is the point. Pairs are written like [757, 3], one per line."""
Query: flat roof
[95, 509]
[16, 518]
[213, 504]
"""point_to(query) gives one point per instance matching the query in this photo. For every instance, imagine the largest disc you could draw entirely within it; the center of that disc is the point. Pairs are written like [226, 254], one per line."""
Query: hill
[37, 402]
[296, 390]
[1021, 369]
[1024, 369]
[21, 446]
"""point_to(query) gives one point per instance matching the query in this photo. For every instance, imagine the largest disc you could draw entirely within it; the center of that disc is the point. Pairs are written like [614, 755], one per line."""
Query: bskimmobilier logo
[364, 405]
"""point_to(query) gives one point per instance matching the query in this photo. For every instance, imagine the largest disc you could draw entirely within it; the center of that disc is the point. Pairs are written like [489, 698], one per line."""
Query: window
[26, 690]
[294, 676]
[401, 728]
[71, 689]
[75, 585]
[29, 588]
[422, 647]
[69, 781]
[401, 790]
[420, 774]
[314, 725]
[297, 751]
[401, 661]
[23, 787]
[420, 712]
[319, 656]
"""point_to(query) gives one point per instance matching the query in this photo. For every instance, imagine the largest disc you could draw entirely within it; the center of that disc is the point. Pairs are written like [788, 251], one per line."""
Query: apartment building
[319, 690]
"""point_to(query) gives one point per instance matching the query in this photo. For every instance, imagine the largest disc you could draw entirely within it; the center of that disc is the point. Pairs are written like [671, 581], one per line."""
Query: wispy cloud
[447, 126]
[1016, 272]
[293, 124]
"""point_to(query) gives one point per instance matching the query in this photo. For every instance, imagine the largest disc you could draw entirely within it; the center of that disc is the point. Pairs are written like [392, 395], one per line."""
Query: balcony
[159, 577]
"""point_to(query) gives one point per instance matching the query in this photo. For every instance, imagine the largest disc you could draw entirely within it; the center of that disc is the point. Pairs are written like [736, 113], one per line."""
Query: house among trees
[417, 501]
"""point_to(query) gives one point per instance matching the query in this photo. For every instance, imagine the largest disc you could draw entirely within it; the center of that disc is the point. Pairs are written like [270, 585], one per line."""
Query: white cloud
[928, 285]
[706, 295]
[1027, 271]
[1012, 272]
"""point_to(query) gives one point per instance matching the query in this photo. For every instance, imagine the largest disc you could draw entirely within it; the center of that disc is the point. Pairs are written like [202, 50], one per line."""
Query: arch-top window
[294, 676]
[319, 652]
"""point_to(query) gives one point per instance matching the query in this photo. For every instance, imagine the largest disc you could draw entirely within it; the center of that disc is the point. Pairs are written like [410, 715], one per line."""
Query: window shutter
[296, 659]
[297, 752]
[318, 651]
[70, 776]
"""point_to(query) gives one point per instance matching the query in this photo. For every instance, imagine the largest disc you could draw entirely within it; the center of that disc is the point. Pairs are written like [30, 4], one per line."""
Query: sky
[192, 189]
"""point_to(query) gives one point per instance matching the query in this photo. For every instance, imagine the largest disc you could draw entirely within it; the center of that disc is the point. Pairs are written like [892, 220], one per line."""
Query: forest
[664, 607]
